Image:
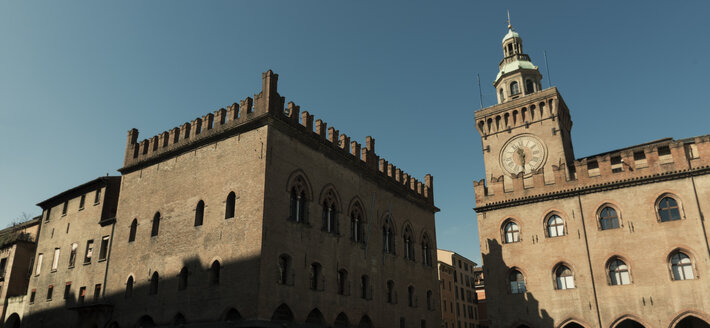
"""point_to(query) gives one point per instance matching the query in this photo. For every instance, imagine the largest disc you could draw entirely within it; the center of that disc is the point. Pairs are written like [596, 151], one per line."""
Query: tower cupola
[517, 76]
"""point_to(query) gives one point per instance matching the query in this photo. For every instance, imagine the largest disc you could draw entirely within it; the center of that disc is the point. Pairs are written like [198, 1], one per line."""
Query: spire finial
[509, 25]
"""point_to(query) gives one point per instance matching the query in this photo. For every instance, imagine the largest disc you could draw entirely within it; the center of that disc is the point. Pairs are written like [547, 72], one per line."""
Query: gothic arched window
[388, 237]
[153, 289]
[156, 225]
[608, 219]
[555, 226]
[618, 271]
[564, 278]
[668, 209]
[330, 218]
[298, 209]
[230, 207]
[408, 244]
[199, 213]
[511, 232]
[357, 224]
[426, 250]
[214, 273]
[132, 232]
[517, 282]
[681, 266]
[129, 287]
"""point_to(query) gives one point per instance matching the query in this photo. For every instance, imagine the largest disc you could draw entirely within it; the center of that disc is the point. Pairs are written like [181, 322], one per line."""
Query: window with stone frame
[388, 237]
[608, 218]
[564, 278]
[298, 208]
[426, 250]
[357, 224]
[330, 213]
[668, 209]
[555, 226]
[618, 272]
[511, 232]
[285, 270]
[408, 243]
[230, 206]
[681, 266]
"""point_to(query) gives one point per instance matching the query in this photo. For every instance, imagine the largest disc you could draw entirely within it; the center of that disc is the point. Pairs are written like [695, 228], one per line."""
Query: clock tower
[529, 129]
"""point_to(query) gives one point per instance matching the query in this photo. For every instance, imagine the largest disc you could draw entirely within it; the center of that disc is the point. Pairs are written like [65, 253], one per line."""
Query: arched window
[199, 213]
[330, 221]
[618, 272]
[564, 278]
[285, 274]
[517, 282]
[502, 95]
[429, 301]
[410, 296]
[156, 225]
[514, 88]
[529, 86]
[132, 232]
[555, 226]
[668, 209]
[230, 207]
[357, 231]
[408, 243]
[341, 321]
[316, 276]
[153, 289]
[608, 219]
[388, 237]
[365, 287]
[129, 287]
[426, 250]
[681, 266]
[390, 292]
[298, 209]
[342, 282]
[214, 273]
[182, 279]
[511, 232]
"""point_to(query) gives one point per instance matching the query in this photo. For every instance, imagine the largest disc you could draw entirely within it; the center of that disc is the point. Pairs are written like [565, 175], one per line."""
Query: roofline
[98, 181]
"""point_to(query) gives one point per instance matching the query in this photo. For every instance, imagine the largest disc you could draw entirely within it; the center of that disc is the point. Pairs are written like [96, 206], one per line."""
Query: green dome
[511, 34]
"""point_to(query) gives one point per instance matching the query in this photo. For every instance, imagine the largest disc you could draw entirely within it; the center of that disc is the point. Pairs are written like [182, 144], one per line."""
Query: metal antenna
[480, 93]
[547, 66]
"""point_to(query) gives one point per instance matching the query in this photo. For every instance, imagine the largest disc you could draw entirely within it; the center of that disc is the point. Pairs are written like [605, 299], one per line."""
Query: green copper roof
[511, 34]
[514, 65]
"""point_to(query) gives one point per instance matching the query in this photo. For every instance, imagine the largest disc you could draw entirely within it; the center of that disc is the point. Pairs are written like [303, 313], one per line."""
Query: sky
[75, 76]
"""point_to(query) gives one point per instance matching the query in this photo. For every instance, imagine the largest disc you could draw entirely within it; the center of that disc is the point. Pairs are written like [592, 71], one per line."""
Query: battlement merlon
[262, 109]
[660, 160]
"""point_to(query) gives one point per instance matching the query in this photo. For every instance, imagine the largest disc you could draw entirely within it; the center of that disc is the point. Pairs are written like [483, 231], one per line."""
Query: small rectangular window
[32, 295]
[97, 292]
[72, 255]
[639, 155]
[103, 252]
[55, 260]
[592, 168]
[616, 164]
[81, 202]
[49, 292]
[97, 198]
[664, 150]
[46, 217]
[89, 251]
[691, 151]
[82, 294]
[39, 264]
[67, 290]
[64, 207]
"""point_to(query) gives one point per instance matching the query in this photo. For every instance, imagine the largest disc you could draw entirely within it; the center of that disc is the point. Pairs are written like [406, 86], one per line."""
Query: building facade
[17, 249]
[480, 285]
[613, 240]
[459, 303]
[254, 216]
[69, 275]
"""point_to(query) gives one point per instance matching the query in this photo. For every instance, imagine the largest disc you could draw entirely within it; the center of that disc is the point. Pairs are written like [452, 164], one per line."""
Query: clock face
[525, 153]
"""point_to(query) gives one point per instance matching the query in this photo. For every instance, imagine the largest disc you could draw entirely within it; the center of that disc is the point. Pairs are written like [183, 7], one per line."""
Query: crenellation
[333, 135]
[344, 142]
[307, 121]
[266, 102]
[221, 116]
[293, 111]
[321, 128]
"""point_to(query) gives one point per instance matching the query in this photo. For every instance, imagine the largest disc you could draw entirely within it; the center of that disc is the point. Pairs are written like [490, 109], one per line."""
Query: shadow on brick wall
[140, 307]
[503, 302]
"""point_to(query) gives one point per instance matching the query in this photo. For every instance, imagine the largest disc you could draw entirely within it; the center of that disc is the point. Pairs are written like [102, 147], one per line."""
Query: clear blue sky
[75, 76]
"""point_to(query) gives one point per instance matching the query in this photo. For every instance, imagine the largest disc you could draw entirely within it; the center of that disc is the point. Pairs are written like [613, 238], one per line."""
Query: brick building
[458, 294]
[17, 249]
[613, 240]
[255, 216]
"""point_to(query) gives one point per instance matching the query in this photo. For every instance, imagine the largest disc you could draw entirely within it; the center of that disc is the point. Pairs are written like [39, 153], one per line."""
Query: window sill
[97, 203]
[53, 271]
[81, 208]
[71, 267]
[102, 260]
[87, 263]
[64, 214]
